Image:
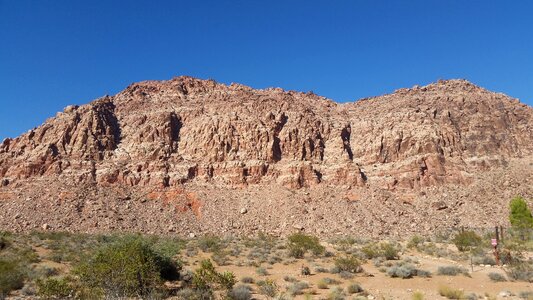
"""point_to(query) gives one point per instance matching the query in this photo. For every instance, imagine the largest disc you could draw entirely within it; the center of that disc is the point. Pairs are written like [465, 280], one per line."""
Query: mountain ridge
[184, 140]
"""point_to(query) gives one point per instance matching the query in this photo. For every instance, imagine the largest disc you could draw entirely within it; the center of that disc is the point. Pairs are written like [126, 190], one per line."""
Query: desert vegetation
[452, 264]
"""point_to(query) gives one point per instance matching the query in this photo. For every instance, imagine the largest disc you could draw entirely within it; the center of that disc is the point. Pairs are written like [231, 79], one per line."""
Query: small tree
[129, 267]
[300, 243]
[519, 214]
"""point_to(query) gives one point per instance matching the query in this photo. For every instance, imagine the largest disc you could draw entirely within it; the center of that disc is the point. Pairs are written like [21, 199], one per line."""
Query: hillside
[194, 156]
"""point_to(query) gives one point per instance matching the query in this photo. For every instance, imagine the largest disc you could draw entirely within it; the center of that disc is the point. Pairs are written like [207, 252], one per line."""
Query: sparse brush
[337, 294]
[300, 243]
[415, 241]
[240, 292]
[268, 287]
[209, 243]
[526, 295]
[405, 271]
[320, 269]
[247, 280]
[354, 288]
[451, 270]
[451, 293]
[55, 288]
[261, 271]
[418, 296]
[346, 275]
[496, 277]
[297, 288]
[348, 264]
[289, 279]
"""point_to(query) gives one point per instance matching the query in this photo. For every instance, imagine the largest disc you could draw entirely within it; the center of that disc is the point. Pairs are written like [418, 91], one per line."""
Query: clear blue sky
[55, 53]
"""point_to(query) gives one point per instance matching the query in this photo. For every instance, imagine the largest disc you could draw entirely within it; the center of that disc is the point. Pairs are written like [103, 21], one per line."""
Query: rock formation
[181, 142]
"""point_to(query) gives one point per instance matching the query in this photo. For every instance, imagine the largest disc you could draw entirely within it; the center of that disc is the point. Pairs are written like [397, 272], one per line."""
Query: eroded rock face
[164, 134]
[185, 129]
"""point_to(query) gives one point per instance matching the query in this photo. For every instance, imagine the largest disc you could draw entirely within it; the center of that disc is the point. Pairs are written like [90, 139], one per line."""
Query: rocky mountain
[194, 156]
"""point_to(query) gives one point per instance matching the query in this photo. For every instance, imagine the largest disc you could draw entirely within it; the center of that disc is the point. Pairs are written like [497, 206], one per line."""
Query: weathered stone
[196, 149]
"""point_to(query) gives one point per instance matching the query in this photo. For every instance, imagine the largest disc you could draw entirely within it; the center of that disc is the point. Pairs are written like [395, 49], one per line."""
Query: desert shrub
[451, 293]
[206, 277]
[289, 278]
[348, 264]
[330, 280]
[378, 261]
[389, 251]
[466, 240]
[268, 287]
[418, 296]
[354, 288]
[167, 246]
[240, 292]
[220, 257]
[337, 294]
[385, 250]
[404, 271]
[127, 267]
[261, 271]
[451, 270]
[346, 275]
[297, 288]
[209, 243]
[423, 273]
[497, 277]
[344, 243]
[320, 269]
[12, 276]
[192, 294]
[483, 260]
[300, 243]
[44, 272]
[526, 295]
[55, 288]
[247, 280]
[520, 271]
[322, 284]
[519, 214]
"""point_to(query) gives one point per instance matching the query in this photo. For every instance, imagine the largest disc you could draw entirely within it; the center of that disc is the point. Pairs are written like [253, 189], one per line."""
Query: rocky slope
[189, 155]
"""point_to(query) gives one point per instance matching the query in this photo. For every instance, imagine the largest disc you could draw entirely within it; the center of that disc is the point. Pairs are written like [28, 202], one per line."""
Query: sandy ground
[381, 286]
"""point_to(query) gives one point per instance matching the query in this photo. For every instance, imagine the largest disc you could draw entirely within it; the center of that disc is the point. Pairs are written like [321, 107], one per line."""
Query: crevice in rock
[346, 134]
[276, 147]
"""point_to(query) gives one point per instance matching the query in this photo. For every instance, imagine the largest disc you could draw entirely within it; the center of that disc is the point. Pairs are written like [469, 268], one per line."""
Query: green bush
[466, 240]
[415, 241]
[300, 243]
[127, 267]
[55, 288]
[349, 264]
[385, 250]
[519, 214]
[209, 243]
[207, 278]
[11, 276]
